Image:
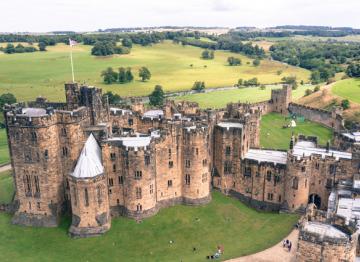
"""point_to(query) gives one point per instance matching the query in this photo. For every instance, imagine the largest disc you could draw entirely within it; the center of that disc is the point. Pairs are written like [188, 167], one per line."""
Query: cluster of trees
[114, 99]
[105, 48]
[353, 70]
[124, 75]
[324, 59]
[290, 80]
[234, 61]
[198, 86]
[207, 54]
[251, 82]
[6, 98]
[19, 48]
[157, 97]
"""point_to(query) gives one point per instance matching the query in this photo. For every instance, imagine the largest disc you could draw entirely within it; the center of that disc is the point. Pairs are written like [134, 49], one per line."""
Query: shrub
[345, 104]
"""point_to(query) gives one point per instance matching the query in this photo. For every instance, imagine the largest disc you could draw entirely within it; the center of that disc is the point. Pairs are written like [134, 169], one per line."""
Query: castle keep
[101, 162]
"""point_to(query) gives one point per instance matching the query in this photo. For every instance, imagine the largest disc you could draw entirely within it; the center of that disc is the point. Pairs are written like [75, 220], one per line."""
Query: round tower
[89, 193]
[297, 183]
[139, 183]
[196, 161]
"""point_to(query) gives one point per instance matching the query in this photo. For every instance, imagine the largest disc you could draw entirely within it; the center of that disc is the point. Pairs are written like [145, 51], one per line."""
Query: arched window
[86, 197]
[138, 208]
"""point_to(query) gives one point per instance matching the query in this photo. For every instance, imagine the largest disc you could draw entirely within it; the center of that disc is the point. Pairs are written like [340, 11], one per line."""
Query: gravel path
[273, 254]
[5, 168]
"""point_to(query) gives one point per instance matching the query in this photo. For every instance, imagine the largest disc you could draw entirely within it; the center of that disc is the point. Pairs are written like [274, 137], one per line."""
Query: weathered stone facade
[156, 158]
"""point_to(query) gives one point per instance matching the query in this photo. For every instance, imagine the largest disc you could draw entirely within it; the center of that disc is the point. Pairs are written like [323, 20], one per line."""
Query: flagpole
[72, 64]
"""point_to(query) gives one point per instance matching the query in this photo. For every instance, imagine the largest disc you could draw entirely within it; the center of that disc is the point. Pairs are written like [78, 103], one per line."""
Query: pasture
[219, 99]
[225, 221]
[44, 73]
[273, 135]
[348, 89]
[4, 150]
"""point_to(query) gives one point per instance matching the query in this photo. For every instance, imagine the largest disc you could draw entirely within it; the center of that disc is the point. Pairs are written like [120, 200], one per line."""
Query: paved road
[5, 168]
[273, 254]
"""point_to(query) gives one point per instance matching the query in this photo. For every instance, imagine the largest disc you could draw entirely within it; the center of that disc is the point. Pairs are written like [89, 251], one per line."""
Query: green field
[44, 73]
[6, 187]
[219, 99]
[4, 150]
[348, 88]
[272, 135]
[225, 221]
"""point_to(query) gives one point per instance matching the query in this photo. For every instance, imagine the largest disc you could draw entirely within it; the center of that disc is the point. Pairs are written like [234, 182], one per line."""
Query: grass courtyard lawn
[241, 230]
[6, 187]
[4, 150]
[219, 99]
[348, 89]
[29, 75]
[272, 135]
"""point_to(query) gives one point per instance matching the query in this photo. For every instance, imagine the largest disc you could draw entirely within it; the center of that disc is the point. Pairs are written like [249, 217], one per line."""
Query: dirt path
[5, 168]
[273, 254]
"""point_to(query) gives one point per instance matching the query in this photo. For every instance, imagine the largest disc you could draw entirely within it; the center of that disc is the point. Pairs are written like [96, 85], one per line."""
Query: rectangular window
[171, 164]
[204, 162]
[227, 167]
[295, 183]
[147, 160]
[303, 169]
[270, 196]
[121, 180]
[138, 175]
[169, 153]
[111, 182]
[187, 163]
[247, 171]
[63, 132]
[204, 177]
[197, 151]
[37, 184]
[114, 168]
[112, 156]
[130, 122]
[138, 193]
[169, 183]
[46, 154]
[268, 176]
[187, 179]
[33, 136]
[86, 197]
[65, 152]
[228, 151]
[151, 189]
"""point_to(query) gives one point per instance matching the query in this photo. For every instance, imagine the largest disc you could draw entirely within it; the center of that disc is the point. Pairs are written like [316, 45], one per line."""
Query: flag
[72, 42]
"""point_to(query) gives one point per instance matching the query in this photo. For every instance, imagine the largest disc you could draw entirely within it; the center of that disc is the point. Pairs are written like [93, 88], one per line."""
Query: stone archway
[316, 199]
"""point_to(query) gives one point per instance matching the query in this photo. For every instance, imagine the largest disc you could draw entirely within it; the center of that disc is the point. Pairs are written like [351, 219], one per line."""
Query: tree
[157, 96]
[114, 99]
[256, 62]
[240, 82]
[251, 82]
[122, 75]
[233, 61]
[7, 98]
[290, 80]
[353, 70]
[9, 49]
[198, 86]
[128, 75]
[207, 54]
[345, 104]
[144, 73]
[316, 88]
[109, 75]
[103, 48]
[308, 92]
[42, 46]
[126, 41]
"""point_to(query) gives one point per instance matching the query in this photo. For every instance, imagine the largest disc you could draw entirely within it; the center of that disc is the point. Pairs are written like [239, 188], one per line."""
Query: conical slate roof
[89, 162]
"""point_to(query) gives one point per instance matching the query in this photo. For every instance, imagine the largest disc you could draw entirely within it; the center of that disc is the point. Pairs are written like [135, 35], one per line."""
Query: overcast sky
[88, 15]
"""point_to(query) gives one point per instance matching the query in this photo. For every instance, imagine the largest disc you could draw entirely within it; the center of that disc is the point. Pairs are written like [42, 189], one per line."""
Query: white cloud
[46, 15]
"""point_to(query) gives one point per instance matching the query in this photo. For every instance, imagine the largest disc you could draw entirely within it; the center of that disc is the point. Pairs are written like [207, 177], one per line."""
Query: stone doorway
[316, 199]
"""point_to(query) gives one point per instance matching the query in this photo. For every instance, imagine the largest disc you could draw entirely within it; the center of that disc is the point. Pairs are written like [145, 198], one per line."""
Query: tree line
[324, 59]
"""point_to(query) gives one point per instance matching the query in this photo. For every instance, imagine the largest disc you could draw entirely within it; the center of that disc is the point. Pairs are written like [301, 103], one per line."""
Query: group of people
[217, 254]
[287, 244]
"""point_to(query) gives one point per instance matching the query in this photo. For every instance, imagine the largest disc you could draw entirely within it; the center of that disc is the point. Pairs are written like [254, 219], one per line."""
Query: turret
[89, 193]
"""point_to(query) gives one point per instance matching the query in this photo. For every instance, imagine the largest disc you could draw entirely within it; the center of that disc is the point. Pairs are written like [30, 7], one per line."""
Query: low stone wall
[259, 205]
[123, 211]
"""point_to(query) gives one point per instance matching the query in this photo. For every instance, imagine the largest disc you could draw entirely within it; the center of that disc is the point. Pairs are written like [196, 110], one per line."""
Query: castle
[101, 162]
